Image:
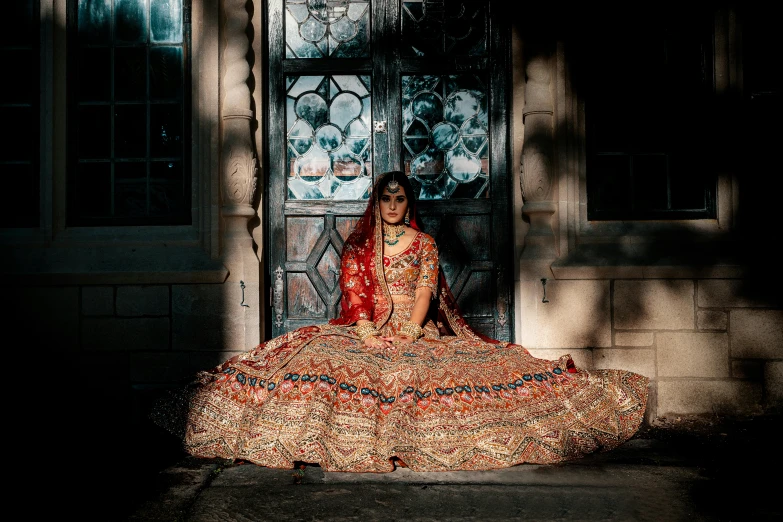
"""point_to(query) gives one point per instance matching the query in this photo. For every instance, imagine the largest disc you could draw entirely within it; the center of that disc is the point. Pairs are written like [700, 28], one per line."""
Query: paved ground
[695, 469]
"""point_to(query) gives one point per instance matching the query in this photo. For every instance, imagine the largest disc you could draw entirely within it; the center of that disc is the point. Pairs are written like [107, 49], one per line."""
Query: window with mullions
[129, 112]
[649, 87]
[19, 114]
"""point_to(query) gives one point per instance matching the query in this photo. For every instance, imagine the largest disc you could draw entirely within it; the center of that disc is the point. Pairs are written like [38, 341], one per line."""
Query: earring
[408, 217]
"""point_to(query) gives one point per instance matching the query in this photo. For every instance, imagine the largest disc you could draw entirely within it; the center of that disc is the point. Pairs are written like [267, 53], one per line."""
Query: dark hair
[402, 179]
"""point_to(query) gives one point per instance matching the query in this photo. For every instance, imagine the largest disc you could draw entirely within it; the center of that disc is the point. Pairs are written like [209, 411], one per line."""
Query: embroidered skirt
[318, 395]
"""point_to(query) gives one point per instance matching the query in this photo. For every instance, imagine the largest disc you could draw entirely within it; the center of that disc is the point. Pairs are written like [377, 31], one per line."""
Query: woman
[400, 378]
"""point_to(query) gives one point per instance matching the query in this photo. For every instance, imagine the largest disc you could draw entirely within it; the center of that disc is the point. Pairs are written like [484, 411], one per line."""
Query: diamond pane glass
[445, 136]
[328, 133]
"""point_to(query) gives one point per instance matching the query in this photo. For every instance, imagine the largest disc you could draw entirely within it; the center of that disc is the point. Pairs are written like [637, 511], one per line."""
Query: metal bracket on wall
[543, 284]
[242, 284]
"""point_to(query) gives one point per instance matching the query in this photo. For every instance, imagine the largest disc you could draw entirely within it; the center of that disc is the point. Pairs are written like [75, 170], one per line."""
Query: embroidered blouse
[414, 267]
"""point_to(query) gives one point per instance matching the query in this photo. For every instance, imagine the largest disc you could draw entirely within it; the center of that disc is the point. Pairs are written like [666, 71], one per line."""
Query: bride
[400, 379]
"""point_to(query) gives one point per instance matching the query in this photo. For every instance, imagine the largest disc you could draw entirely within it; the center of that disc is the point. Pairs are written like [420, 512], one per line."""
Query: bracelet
[411, 329]
[366, 330]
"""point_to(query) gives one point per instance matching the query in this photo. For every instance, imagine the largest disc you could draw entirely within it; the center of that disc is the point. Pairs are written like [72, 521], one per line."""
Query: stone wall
[110, 350]
[707, 346]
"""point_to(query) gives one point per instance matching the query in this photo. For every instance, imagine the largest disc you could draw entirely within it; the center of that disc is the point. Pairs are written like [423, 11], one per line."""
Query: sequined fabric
[443, 402]
[414, 267]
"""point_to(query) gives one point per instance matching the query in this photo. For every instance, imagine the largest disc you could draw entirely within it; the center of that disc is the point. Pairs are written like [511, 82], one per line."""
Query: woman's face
[393, 205]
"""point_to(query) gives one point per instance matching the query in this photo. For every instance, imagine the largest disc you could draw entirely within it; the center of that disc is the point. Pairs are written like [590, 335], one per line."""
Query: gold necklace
[392, 233]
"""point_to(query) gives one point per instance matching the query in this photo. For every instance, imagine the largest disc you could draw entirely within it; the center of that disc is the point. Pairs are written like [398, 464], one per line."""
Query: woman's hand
[378, 342]
[387, 343]
[399, 339]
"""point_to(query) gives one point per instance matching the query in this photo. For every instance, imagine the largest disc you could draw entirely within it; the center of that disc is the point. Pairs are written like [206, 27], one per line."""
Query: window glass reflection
[329, 140]
[445, 135]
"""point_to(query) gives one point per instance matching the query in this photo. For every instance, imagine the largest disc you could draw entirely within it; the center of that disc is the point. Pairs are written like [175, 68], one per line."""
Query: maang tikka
[393, 186]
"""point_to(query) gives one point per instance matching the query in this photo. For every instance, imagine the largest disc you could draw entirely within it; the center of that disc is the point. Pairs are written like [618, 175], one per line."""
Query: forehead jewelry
[393, 186]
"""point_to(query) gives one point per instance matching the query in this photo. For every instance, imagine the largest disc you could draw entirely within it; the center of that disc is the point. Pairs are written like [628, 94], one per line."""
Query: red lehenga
[452, 400]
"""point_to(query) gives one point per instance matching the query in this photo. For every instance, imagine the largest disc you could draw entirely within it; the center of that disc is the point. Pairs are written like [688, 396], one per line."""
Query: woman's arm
[421, 305]
[425, 285]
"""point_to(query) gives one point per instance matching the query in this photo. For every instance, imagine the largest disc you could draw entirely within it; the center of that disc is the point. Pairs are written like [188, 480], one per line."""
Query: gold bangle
[366, 330]
[411, 329]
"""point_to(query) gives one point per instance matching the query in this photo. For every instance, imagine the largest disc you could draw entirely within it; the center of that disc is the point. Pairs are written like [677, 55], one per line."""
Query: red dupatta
[365, 294]
[362, 283]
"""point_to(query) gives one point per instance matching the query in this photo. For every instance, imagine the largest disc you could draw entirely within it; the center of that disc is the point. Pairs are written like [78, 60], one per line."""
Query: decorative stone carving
[239, 165]
[536, 174]
[240, 177]
[238, 169]
[535, 181]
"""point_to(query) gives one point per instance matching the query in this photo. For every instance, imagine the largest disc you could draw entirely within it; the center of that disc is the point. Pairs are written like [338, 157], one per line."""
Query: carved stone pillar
[238, 181]
[537, 176]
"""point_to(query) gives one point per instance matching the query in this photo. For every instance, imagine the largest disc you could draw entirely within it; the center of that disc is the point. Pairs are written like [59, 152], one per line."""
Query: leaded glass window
[445, 135]
[438, 27]
[328, 135]
[129, 113]
[327, 28]
[19, 113]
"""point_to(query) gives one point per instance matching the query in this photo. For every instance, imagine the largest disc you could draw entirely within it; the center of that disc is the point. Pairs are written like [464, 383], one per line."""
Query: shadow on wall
[742, 139]
[100, 410]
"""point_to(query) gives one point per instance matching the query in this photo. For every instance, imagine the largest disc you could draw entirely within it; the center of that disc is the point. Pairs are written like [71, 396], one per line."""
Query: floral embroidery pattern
[449, 403]
[451, 400]
[414, 267]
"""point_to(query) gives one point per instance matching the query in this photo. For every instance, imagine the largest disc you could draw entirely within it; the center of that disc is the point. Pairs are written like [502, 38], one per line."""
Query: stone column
[238, 183]
[537, 177]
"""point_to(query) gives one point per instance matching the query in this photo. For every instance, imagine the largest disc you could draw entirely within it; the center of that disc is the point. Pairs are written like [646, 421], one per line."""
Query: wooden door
[358, 88]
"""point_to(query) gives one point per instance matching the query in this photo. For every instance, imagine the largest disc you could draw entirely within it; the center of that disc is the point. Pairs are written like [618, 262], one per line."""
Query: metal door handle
[277, 296]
